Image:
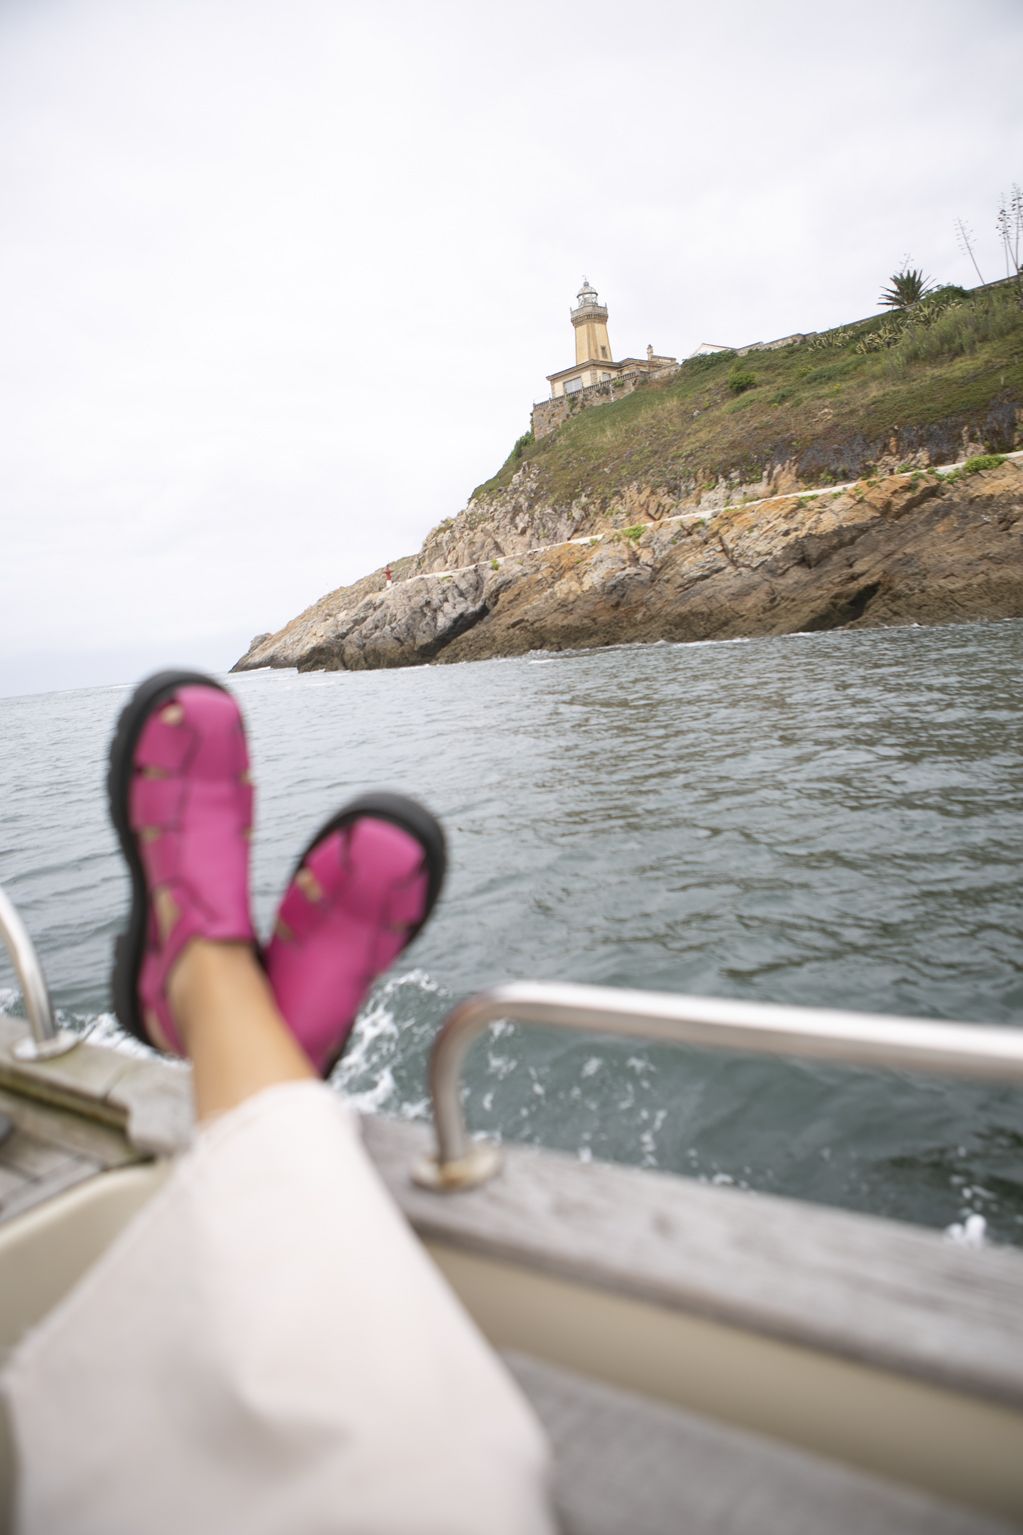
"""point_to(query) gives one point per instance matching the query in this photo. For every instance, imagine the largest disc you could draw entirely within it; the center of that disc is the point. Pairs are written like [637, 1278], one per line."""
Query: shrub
[983, 461]
[950, 327]
[708, 360]
[739, 381]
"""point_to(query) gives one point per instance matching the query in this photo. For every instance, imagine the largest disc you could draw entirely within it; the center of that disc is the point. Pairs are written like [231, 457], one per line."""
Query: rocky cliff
[912, 548]
[680, 512]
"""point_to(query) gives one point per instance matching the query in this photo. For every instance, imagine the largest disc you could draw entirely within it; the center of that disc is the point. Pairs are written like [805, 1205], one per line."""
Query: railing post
[976, 1051]
[45, 1040]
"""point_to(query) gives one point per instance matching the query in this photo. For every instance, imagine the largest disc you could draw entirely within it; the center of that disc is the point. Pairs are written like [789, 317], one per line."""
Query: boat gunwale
[874, 1291]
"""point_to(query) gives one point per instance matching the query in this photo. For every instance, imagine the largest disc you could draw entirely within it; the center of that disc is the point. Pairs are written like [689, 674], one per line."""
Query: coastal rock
[907, 549]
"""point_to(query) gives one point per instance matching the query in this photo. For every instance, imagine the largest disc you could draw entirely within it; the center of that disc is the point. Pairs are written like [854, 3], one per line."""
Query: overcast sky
[282, 278]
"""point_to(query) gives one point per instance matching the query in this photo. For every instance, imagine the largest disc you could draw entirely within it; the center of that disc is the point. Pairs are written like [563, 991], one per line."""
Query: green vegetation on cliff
[831, 407]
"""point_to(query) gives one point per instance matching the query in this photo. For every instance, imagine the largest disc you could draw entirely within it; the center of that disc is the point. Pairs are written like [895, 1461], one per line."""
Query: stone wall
[548, 415]
[772, 346]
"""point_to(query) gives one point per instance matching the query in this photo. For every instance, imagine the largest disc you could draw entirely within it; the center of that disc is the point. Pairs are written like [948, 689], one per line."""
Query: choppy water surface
[830, 819]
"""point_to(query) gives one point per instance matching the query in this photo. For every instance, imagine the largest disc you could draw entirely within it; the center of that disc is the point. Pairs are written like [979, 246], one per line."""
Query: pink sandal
[360, 893]
[181, 803]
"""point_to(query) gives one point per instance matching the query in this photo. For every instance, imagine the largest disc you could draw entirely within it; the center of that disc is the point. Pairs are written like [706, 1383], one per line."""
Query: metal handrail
[45, 1040]
[851, 1039]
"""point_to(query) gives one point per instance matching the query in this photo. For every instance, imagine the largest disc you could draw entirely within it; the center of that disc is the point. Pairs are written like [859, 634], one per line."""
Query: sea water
[825, 819]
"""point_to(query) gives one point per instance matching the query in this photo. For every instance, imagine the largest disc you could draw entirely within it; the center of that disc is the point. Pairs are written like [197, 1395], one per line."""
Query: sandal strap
[162, 860]
[155, 802]
[153, 996]
[218, 813]
[164, 746]
[302, 915]
[160, 960]
[298, 913]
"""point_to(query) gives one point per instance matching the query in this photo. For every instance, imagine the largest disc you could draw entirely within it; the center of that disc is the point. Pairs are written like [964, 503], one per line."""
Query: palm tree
[908, 287]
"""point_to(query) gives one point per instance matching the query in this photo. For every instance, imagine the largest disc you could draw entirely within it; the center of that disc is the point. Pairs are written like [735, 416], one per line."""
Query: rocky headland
[693, 510]
[903, 549]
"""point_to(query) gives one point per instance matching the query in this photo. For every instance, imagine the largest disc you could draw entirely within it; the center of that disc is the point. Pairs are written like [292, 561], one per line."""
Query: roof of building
[591, 362]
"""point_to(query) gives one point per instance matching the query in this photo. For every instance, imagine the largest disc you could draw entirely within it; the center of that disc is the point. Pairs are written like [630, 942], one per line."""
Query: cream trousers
[267, 1350]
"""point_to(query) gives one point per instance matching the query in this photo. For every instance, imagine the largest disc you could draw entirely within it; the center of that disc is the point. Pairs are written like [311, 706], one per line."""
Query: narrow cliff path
[698, 516]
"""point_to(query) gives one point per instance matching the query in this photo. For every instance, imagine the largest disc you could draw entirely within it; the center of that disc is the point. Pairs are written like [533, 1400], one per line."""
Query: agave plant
[937, 303]
[908, 287]
[830, 338]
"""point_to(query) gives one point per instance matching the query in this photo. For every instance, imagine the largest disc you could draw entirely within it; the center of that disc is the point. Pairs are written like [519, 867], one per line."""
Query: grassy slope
[832, 410]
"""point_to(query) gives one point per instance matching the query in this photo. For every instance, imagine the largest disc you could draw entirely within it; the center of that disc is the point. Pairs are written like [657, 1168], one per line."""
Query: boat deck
[82, 1114]
[48, 1151]
[626, 1464]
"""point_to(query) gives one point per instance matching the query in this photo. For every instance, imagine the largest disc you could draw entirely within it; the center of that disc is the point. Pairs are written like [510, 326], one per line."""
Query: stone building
[594, 363]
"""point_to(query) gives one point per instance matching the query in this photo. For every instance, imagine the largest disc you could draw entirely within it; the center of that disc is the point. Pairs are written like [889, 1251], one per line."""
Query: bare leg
[236, 1039]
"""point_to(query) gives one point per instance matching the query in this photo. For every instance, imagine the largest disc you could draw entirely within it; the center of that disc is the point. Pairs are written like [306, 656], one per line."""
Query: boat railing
[844, 1038]
[46, 1039]
[977, 1051]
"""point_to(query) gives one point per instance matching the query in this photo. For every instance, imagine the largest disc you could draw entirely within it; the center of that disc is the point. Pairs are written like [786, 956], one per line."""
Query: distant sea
[831, 819]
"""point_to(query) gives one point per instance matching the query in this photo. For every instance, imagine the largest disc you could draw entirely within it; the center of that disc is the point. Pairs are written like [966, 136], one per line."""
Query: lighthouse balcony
[583, 312]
